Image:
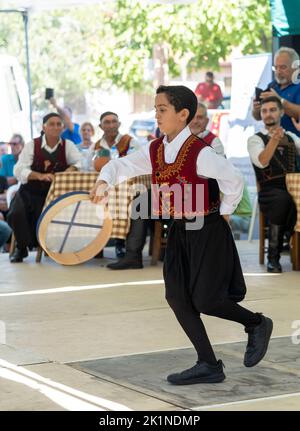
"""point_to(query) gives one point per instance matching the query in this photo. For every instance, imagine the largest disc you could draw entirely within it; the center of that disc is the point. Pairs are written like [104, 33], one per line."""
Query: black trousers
[278, 206]
[23, 215]
[202, 274]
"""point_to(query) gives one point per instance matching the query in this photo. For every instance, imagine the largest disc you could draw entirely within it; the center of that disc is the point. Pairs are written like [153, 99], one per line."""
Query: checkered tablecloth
[119, 198]
[293, 186]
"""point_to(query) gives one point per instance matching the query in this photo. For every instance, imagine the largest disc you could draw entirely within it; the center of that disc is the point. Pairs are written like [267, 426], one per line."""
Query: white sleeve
[22, 168]
[230, 179]
[255, 147]
[218, 146]
[133, 165]
[296, 140]
[73, 155]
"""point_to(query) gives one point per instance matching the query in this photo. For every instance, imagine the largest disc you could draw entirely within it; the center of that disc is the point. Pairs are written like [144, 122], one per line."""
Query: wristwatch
[282, 100]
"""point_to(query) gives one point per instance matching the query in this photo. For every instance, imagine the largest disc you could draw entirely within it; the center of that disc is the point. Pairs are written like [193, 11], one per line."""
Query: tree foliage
[96, 46]
[199, 34]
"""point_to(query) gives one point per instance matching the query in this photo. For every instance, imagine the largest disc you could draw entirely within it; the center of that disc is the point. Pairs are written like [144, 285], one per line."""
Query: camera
[258, 92]
[49, 93]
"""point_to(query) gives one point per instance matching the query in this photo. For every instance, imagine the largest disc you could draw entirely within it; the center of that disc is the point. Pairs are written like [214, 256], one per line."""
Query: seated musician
[273, 154]
[35, 169]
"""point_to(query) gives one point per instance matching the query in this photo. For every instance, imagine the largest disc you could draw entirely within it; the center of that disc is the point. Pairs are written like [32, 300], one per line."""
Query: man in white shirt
[113, 145]
[198, 127]
[273, 154]
[35, 169]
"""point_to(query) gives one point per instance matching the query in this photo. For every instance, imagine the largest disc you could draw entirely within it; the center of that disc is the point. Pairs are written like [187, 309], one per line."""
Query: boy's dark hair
[272, 99]
[107, 113]
[180, 97]
[209, 74]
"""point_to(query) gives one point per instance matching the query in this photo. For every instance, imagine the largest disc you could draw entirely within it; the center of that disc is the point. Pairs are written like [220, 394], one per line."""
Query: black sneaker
[202, 372]
[258, 341]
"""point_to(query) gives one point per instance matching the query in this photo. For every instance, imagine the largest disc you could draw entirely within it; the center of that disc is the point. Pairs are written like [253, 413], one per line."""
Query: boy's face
[168, 120]
[199, 122]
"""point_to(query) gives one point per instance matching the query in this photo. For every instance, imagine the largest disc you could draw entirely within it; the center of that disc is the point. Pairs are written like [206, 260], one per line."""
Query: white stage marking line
[102, 286]
[79, 288]
[255, 400]
[63, 395]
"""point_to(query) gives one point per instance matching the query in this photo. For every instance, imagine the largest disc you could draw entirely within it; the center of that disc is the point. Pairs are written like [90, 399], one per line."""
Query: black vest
[282, 163]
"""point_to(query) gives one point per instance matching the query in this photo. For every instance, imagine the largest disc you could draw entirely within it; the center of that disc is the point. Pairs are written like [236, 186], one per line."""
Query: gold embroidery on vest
[166, 170]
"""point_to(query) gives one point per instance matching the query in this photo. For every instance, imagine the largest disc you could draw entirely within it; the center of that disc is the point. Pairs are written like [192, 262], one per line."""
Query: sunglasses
[14, 143]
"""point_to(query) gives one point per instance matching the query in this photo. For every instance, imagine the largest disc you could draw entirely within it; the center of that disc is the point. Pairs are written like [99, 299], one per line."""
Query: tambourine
[72, 229]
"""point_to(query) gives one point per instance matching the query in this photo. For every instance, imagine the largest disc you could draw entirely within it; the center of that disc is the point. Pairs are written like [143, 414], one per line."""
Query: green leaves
[74, 50]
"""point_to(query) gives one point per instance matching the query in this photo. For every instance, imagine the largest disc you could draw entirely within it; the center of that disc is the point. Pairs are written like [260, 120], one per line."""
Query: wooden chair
[263, 236]
[295, 251]
[158, 242]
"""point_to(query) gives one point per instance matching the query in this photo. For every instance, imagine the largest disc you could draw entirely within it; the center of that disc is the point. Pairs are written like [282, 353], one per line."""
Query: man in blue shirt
[8, 161]
[71, 131]
[285, 87]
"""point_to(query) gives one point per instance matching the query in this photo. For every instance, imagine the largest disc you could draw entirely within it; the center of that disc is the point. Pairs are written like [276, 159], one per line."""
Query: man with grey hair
[285, 87]
[198, 127]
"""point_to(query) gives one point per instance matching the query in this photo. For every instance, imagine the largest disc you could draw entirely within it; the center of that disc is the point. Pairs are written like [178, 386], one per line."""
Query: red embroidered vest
[209, 138]
[122, 146]
[45, 162]
[182, 193]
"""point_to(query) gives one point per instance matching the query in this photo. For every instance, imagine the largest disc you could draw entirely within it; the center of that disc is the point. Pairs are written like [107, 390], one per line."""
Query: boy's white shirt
[209, 165]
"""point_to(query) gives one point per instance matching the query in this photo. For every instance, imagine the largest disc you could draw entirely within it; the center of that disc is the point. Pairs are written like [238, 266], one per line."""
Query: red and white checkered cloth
[119, 201]
[293, 186]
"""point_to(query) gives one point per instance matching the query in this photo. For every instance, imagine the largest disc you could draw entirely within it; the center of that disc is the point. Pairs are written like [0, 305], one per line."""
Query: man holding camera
[71, 130]
[285, 87]
[273, 154]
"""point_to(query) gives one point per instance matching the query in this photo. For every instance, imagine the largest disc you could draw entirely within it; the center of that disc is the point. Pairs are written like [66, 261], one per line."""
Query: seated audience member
[71, 129]
[35, 169]
[5, 232]
[87, 131]
[296, 123]
[3, 149]
[285, 87]
[112, 145]
[198, 127]
[240, 219]
[273, 155]
[8, 161]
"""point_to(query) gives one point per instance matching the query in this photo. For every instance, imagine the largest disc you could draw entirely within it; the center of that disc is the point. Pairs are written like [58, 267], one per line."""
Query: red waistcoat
[182, 193]
[45, 162]
[209, 138]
